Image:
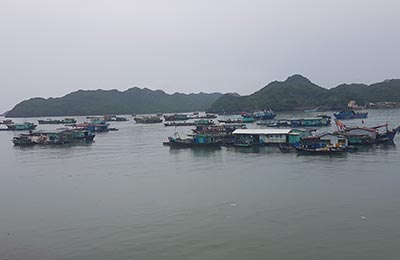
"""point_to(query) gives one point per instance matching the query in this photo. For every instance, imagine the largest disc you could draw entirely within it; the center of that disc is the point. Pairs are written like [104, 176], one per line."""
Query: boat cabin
[262, 136]
[334, 140]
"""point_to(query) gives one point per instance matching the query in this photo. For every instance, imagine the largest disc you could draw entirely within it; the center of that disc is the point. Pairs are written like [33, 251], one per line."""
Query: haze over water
[125, 196]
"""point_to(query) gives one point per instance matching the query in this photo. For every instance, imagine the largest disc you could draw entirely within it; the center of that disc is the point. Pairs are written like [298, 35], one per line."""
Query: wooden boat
[21, 127]
[95, 125]
[114, 118]
[148, 120]
[69, 120]
[238, 120]
[323, 144]
[317, 121]
[50, 122]
[179, 123]
[54, 137]
[22, 140]
[350, 114]
[176, 117]
[7, 122]
[264, 115]
[286, 148]
[387, 136]
[322, 151]
[198, 140]
[311, 110]
[367, 135]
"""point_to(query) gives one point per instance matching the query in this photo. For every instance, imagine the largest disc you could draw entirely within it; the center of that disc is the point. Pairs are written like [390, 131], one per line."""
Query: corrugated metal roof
[270, 131]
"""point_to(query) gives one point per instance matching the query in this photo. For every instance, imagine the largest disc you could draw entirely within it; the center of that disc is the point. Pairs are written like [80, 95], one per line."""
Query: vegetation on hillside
[298, 92]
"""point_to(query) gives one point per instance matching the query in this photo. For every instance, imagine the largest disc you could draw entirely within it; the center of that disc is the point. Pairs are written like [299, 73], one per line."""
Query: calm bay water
[128, 197]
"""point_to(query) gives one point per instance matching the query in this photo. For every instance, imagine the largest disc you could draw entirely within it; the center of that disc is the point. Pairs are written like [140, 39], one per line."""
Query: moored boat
[198, 140]
[179, 123]
[350, 114]
[7, 122]
[114, 118]
[323, 144]
[176, 117]
[264, 115]
[50, 122]
[53, 137]
[21, 127]
[148, 120]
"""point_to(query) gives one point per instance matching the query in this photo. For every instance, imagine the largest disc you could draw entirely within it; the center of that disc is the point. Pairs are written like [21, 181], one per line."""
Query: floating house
[59, 136]
[350, 114]
[334, 140]
[148, 120]
[21, 127]
[360, 135]
[176, 117]
[262, 136]
[323, 144]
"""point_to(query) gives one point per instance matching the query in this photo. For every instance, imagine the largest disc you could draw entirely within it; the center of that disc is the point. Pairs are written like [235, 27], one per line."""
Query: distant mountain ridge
[99, 102]
[295, 93]
[298, 93]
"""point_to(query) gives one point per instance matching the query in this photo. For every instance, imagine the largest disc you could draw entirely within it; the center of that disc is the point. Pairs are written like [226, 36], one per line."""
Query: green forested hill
[98, 102]
[298, 92]
[295, 93]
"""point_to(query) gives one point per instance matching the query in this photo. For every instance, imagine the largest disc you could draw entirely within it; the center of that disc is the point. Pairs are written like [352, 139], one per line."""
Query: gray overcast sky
[53, 47]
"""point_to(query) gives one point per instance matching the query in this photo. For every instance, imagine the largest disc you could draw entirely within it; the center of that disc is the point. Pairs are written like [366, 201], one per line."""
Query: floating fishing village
[300, 135]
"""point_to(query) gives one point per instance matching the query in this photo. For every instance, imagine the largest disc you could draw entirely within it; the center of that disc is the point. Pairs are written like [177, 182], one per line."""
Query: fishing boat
[264, 115]
[53, 137]
[237, 120]
[321, 151]
[50, 122]
[318, 121]
[7, 122]
[176, 117]
[198, 140]
[323, 144]
[350, 114]
[69, 120]
[204, 122]
[22, 140]
[95, 125]
[114, 118]
[179, 123]
[286, 148]
[206, 116]
[367, 135]
[148, 120]
[21, 127]
[385, 136]
[311, 110]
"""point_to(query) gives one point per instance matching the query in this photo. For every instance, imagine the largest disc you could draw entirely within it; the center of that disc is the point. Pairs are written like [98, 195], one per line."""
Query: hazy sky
[50, 48]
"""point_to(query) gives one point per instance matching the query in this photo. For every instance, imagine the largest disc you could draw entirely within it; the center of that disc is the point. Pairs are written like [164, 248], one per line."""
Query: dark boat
[179, 124]
[7, 122]
[54, 137]
[286, 148]
[22, 140]
[176, 117]
[198, 140]
[264, 115]
[148, 120]
[387, 136]
[114, 118]
[21, 127]
[350, 114]
[323, 144]
[243, 119]
[321, 151]
[50, 122]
